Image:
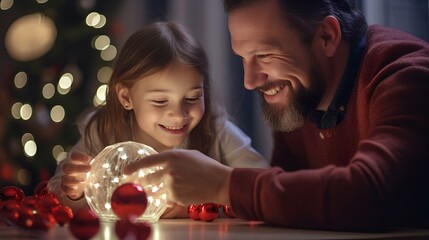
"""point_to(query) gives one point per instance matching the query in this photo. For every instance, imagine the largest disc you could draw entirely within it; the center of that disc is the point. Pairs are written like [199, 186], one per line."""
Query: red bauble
[194, 211]
[143, 230]
[43, 221]
[209, 212]
[11, 193]
[30, 202]
[84, 224]
[63, 215]
[41, 190]
[10, 211]
[129, 200]
[228, 212]
[48, 204]
[26, 218]
[125, 229]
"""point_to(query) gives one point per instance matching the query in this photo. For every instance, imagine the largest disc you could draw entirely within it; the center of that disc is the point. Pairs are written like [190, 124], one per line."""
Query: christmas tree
[55, 61]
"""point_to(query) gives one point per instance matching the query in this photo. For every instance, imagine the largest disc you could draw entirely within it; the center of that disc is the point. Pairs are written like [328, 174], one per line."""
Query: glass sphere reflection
[106, 175]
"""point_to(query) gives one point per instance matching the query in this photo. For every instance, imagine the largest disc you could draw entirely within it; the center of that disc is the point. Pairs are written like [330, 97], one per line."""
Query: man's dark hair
[304, 16]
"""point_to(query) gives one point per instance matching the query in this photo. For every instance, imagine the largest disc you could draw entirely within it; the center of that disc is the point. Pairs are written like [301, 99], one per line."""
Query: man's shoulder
[384, 33]
[383, 41]
[390, 50]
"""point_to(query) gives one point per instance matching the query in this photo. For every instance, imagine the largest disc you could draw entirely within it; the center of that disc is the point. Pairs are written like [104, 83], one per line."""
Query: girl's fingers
[70, 191]
[72, 180]
[70, 168]
[80, 157]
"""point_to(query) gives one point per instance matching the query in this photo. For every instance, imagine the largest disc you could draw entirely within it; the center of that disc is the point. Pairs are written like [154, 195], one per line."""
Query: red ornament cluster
[43, 210]
[208, 211]
[35, 213]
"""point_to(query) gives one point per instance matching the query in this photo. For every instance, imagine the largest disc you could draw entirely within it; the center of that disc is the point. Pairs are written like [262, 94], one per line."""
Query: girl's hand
[73, 181]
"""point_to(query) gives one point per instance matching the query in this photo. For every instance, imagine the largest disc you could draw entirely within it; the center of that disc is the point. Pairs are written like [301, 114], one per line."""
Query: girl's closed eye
[194, 99]
[159, 102]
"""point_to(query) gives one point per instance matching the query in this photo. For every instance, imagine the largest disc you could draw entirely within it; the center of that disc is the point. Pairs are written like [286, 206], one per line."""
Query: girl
[158, 95]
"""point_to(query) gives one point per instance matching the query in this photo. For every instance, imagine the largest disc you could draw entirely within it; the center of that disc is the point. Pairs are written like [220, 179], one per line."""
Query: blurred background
[56, 58]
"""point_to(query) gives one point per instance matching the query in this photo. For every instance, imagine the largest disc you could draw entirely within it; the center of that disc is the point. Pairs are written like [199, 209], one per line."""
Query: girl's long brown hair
[149, 50]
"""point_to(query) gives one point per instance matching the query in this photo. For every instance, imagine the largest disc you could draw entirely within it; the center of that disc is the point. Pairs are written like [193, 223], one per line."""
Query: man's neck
[333, 70]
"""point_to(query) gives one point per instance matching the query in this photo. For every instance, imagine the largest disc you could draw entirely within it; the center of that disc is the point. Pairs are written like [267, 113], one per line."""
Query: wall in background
[410, 16]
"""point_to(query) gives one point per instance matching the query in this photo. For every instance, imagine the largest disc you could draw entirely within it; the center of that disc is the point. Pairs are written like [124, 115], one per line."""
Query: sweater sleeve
[303, 199]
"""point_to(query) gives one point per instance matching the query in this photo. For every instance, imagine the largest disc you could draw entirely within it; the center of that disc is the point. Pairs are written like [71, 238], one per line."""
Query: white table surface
[228, 229]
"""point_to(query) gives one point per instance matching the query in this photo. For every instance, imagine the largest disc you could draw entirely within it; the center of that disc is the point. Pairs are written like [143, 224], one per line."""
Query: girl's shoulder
[84, 119]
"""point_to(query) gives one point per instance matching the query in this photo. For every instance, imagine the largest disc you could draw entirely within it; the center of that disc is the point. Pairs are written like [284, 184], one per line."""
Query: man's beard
[287, 118]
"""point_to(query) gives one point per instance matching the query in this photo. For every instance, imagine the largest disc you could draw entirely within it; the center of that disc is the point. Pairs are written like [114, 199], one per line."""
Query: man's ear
[123, 94]
[328, 35]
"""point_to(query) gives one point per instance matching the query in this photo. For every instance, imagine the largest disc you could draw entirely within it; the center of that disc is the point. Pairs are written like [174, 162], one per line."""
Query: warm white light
[16, 110]
[26, 111]
[48, 91]
[61, 156]
[155, 189]
[101, 22]
[96, 101]
[30, 37]
[92, 19]
[57, 113]
[108, 206]
[24, 176]
[101, 92]
[109, 53]
[30, 148]
[20, 80]
[6, 4]
[57, 151]
[104, 74]
[65, 83]
[26, 137]
[101, 42]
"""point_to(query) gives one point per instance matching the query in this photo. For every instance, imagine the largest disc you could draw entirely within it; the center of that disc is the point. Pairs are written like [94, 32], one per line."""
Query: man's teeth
[273, 91]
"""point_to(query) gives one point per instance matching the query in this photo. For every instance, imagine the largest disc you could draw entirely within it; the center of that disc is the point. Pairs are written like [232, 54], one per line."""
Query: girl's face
[167, 105]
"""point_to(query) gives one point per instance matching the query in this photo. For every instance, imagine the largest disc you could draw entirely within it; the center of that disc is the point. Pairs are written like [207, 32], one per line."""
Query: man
[351, 130]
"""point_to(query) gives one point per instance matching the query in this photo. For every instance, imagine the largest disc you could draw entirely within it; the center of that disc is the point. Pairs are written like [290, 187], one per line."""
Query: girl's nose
[178, 111]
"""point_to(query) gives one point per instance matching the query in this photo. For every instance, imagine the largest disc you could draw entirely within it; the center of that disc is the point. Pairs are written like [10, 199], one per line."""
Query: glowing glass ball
[106, 175]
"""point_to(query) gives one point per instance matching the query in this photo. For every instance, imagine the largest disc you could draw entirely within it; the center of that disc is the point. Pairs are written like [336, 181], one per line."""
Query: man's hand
[190, 177]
